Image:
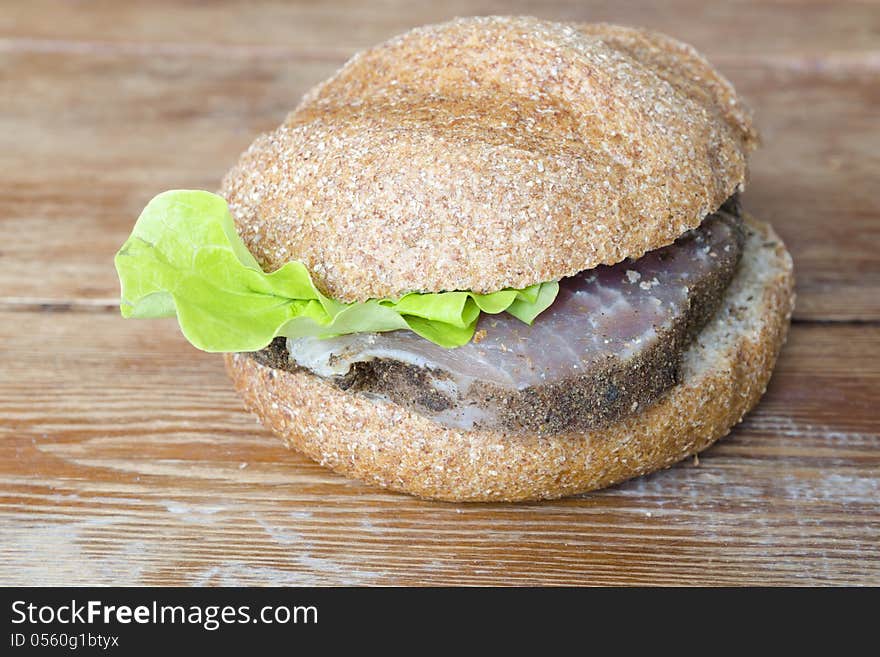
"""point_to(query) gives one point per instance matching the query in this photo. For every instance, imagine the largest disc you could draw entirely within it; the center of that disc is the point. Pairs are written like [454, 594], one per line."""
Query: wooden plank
[805, 28]
[815, 178]
[126, 458]
[78, 162]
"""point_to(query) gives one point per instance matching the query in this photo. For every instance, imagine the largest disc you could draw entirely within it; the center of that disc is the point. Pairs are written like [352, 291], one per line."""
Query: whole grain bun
[725, 372]
[492, 152]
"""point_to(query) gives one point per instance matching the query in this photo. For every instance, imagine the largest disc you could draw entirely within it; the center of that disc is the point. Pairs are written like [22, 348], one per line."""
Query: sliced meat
[611, 343]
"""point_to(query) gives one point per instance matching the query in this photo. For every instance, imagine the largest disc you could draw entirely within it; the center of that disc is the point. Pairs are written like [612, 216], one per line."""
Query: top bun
[487, 153]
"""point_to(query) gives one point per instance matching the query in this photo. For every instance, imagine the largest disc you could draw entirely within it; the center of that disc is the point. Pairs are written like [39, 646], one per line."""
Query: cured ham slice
[609, 344]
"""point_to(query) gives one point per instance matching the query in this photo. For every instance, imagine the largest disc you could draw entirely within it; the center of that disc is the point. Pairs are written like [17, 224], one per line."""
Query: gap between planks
[27, 305]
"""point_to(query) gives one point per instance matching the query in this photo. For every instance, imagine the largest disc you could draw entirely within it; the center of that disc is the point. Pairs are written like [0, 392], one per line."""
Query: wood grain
[125, 457]
[242, 28]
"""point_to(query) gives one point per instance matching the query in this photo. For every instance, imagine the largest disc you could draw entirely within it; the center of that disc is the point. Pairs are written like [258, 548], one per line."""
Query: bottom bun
[724, 373]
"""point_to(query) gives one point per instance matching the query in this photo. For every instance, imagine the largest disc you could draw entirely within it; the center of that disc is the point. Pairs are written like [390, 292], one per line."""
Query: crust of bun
[492, 152]
[724, 374]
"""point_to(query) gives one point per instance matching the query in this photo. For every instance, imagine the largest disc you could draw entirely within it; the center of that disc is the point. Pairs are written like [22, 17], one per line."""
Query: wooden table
[125, 457]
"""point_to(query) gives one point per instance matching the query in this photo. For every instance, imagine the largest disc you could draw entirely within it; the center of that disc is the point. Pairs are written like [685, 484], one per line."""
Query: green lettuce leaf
[185, 258]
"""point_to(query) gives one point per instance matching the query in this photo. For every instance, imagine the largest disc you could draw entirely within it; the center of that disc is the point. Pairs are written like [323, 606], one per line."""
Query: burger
[494, 259]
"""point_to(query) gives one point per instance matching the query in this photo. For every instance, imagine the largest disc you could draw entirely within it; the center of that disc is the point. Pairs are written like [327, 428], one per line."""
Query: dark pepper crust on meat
[607, 394]
[604, 395]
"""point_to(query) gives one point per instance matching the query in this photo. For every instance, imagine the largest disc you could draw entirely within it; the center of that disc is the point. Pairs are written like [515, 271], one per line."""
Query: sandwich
[498, 258]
